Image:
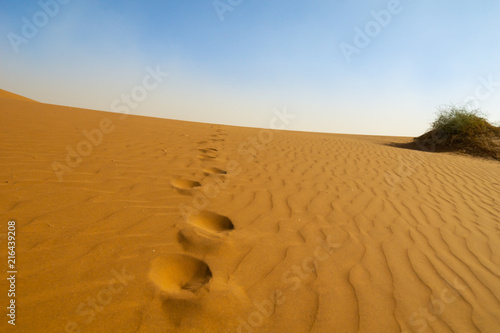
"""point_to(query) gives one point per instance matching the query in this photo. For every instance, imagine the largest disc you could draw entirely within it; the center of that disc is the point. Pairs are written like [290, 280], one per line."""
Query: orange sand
[177, 226]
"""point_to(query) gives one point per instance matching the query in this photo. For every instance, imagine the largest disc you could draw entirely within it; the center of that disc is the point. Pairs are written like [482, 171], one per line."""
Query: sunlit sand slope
[136, 224]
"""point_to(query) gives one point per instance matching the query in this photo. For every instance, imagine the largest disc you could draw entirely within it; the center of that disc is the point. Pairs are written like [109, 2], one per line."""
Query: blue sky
[263, 55]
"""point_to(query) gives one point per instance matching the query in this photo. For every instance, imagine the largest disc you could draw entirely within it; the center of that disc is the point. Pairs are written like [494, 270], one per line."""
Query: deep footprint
[211, 221]
[175, 273]
[184, 184]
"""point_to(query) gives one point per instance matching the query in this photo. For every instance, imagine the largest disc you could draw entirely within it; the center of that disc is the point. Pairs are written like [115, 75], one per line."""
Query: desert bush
[460, 128]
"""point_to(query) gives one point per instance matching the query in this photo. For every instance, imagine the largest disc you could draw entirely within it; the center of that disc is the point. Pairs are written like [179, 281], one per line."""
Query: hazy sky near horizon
[364, 67]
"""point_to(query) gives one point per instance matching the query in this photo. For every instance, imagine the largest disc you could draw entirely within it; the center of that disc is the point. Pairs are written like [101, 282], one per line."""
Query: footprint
[177, 273]
[207, 150]
[215, 171]
[184, 184]
[211, 153]
[211, 221]
[205, 157]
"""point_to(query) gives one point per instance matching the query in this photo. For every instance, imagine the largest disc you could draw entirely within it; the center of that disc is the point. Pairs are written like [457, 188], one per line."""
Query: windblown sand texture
[171, 226]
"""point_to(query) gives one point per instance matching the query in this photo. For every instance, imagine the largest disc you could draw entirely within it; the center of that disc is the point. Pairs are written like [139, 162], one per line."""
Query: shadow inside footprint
[207, 150]
[206, 157]
[211, 221]
[185, 184]
[215, 171]
[175, 273]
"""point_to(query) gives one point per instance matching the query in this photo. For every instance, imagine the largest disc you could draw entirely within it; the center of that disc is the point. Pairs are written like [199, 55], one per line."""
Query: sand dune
[137, 224]
[10, 95]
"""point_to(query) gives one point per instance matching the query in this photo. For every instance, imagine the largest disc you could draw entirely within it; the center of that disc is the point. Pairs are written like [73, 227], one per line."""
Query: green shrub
[460, 128]
[460, 123]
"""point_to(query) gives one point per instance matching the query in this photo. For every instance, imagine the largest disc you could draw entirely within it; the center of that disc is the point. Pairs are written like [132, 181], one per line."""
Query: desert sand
[169, 226]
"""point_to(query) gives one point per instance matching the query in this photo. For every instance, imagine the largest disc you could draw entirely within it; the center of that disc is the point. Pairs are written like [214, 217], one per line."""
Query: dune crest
[10, 95]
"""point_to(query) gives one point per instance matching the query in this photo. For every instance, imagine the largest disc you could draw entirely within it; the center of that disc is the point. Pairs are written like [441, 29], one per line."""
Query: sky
[347, 66]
